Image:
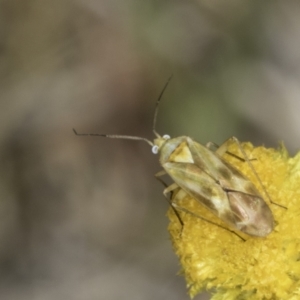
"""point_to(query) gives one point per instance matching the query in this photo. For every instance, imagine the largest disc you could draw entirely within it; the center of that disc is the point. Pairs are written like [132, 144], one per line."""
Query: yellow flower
[215, 259]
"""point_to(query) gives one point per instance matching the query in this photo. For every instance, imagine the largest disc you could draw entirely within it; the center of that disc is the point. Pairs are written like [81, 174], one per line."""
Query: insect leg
[221, 150]
[157, 176]
[206, 220]
[171, 189]
[253, 169]
[160, 173]
[209, 145]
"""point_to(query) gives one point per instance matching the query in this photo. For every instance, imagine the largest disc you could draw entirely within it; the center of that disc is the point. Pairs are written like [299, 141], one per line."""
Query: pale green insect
[208, 178]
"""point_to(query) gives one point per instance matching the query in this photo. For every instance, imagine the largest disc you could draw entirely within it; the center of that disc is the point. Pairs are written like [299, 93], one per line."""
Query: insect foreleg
[209, 145]
[160, 173]
[170, 189]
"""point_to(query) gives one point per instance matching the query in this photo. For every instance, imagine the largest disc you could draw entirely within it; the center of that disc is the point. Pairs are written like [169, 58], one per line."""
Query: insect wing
[204, 189]
[227, 175]
[245, 201]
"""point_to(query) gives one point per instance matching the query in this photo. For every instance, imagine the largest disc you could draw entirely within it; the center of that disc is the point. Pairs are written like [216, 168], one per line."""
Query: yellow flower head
[245, 267]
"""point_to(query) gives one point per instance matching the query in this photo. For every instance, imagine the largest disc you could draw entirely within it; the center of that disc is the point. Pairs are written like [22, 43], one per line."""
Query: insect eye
[155, 149]
[166, 137]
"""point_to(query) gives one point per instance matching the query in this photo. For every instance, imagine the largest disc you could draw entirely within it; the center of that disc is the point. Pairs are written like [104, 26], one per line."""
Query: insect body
[213, 182]
[216, 184]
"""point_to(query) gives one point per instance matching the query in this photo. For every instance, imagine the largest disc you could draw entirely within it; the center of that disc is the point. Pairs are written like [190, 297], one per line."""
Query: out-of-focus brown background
[84, 218]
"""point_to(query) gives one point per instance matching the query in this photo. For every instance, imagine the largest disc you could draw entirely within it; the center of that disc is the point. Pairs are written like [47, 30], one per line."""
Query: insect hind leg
[206, 220]
[223, 149]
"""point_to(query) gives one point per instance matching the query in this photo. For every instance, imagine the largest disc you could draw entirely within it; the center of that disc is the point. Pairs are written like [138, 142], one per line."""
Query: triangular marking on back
[182, 154]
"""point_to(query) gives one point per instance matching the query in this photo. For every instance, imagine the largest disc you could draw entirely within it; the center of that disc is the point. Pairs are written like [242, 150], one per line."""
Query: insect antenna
[115, 136]
[156, 107]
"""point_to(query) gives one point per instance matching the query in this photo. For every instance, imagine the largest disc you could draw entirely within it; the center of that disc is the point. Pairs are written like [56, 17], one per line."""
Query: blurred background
[84, 218]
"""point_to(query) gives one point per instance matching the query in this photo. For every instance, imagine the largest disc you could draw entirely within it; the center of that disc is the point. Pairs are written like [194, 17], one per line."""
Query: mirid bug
[208, 178]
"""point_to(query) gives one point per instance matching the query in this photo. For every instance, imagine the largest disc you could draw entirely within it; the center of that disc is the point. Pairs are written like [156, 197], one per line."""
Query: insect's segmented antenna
[156, 106]
[129, 137]
[114, 136]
